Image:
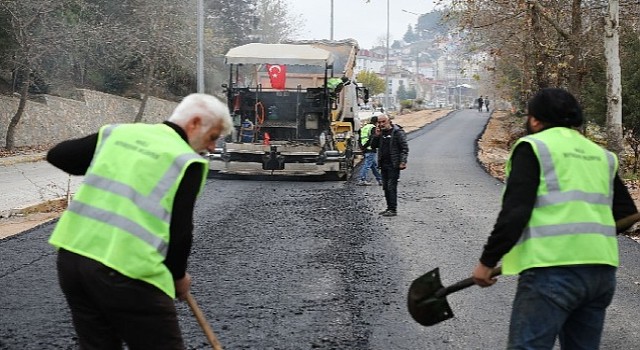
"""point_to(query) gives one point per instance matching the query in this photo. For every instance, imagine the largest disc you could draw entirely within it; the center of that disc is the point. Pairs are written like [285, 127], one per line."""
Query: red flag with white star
[277, 75]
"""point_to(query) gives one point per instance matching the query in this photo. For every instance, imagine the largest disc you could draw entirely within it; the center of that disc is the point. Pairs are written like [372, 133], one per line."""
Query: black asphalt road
[310, 265]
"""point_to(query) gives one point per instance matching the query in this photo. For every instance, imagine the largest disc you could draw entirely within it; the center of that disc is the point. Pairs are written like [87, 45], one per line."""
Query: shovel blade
[424, 306]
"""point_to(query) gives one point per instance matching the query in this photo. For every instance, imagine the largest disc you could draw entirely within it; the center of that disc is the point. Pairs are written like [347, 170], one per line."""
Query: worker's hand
[377, 130]
[183, 286]
[482, 275]
[403, 166]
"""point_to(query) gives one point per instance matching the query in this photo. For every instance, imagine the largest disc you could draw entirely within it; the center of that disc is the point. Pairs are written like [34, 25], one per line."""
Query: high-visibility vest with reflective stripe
[121, 213]
[332, 83]
[365, 133]
[572, 221]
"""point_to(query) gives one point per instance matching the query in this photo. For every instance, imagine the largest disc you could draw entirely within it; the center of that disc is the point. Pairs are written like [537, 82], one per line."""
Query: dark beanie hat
[556, 107]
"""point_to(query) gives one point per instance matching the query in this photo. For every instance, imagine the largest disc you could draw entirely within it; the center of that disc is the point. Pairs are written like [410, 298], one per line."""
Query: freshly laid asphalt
[310, 265]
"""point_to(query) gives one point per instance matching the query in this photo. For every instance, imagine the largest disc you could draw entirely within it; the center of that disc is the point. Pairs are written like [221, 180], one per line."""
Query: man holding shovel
[557, 229]
[124, 240]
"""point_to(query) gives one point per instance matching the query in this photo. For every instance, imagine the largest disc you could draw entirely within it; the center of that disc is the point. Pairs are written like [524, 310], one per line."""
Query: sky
[357, 19]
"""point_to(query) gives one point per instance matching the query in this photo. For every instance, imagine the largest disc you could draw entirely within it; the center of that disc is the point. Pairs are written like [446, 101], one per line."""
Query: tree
[163, 35]
[401, 94]
[614, 86]
[371, 81]
[275, 22]
[149, 49]
[234, 20]
[412, 94]
[38, 29]
[410, 36]
[432, 24]
[551, 41]
[630, 59]
[7, 44]
[594, 93]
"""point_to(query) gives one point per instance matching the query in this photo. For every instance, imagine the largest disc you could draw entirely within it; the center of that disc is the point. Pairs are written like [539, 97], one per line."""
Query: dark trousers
[564, 302]
[390, 176]
[109, 308]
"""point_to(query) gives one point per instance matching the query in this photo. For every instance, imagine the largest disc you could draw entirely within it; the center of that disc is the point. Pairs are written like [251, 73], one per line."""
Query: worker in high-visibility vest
[557, 229]
[124, 240]
[369, 154]
[335, 85]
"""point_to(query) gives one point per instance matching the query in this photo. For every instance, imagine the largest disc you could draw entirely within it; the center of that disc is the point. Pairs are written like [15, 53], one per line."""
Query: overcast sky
[357, 19]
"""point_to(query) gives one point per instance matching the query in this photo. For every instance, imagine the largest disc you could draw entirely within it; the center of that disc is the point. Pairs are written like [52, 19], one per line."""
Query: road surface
[310, 265]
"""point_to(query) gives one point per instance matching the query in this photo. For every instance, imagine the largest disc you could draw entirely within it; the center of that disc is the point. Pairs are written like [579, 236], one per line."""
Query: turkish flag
[277, 75]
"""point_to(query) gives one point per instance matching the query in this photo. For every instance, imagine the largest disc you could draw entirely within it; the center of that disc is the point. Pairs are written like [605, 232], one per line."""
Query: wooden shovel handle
[208, 332]
[465, 283]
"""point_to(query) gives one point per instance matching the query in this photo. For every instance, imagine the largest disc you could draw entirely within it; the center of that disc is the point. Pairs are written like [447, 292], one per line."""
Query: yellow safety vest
[121, 214]
[365, 133]
[572, 221]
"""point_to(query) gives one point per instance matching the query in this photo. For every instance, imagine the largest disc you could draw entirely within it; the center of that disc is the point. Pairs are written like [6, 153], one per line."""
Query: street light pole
[331, 32]
[386, 79]
[200, 54]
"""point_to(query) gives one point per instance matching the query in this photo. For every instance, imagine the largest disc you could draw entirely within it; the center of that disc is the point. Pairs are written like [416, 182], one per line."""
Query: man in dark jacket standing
[393, 150]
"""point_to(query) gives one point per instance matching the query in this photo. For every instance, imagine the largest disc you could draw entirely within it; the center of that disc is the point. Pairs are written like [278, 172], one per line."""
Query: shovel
[208, 332]
[427, 301]
[427, 297]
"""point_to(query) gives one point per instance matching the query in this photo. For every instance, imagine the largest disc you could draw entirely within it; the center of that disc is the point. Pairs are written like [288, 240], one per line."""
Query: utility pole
[200, 55]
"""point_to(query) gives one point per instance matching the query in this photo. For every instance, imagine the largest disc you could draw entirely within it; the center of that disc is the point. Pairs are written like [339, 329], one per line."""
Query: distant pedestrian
[480, 102]
[486, 103]
[124, 241]
[369, 154]
[557, 229]
[391, 142]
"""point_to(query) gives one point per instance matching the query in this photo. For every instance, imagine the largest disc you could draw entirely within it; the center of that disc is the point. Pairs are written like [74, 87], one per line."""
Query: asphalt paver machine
[293, 107]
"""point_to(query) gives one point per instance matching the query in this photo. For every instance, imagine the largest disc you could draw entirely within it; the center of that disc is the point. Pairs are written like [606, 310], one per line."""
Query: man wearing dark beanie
[557, 229]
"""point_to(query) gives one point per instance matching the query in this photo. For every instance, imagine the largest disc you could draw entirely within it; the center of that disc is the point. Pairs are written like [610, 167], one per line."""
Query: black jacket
[399, 147]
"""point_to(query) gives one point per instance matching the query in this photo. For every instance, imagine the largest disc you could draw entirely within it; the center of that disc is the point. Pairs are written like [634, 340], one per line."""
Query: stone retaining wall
[52, 119]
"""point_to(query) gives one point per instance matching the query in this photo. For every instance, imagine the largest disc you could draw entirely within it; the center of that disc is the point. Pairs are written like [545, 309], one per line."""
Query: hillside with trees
[133, 49]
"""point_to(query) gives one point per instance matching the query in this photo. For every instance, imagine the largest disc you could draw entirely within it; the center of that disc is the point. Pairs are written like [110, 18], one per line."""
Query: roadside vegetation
[527, 45]
[133, 49]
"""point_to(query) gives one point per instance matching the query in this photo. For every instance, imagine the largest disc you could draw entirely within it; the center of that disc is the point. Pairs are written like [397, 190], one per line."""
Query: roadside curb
[45, 206]
[26, 158]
